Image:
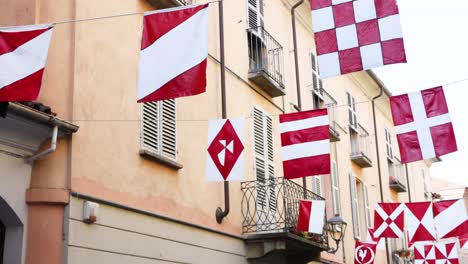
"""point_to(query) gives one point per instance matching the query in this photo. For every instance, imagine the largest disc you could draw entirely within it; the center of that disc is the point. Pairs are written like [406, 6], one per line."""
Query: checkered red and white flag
[305, 143]
[423, 125]
[359, 35]
[389, 220]
[173, 55]
[225, 161]
[450, 218]
[442, 252]
[420, 222]
[23, 56]
[311, 216]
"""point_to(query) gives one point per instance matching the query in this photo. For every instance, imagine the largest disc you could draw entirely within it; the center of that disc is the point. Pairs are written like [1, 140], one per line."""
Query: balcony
[270, 211]
[360, 147]
[397, 176]
[265, 61]
[331, 104]
[160, 4]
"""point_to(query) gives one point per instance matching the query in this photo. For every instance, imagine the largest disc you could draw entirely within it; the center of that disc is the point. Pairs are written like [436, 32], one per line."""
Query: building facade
[142, 165]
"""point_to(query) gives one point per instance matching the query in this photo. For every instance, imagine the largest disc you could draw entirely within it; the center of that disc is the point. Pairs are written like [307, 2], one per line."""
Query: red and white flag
[352, 36]
[420, 222]
[389, 220]
[463, 241]
[305, 143]
[225, 161]
[174, 51]
[442, 252]
[451, 219]
[371, 239]
[423, 125]
[311, 216]
[364, 253]
[23, 56]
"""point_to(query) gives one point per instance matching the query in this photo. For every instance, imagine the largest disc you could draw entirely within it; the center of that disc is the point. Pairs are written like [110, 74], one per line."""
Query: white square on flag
[174, 51]
[225, 153]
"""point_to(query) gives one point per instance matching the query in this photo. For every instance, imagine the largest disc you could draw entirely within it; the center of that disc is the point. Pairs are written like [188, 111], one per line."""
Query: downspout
[377, 149]
[52, 148]
[296, 65]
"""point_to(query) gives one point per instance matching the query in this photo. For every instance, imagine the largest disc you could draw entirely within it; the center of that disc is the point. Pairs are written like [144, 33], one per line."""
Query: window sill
[157, 157]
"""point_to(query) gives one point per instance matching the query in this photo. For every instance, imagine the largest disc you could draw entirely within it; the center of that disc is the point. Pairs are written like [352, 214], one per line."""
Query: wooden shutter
[354, 206]
[367, 208]
[256, 12]
[264, 162]
[159, 128]
[335, 189]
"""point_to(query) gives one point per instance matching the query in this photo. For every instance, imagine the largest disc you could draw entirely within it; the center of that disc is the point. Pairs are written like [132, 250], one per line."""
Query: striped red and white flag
[305, 143]
[311, 216]
[23, 56]
[174, 51]
[451, 218]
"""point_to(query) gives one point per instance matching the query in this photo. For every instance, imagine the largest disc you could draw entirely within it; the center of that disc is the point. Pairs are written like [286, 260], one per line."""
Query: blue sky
[436, 43]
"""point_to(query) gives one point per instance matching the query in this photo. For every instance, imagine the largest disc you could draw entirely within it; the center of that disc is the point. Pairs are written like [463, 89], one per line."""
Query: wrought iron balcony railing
[265, 61]
[273, 206]
[169, 3]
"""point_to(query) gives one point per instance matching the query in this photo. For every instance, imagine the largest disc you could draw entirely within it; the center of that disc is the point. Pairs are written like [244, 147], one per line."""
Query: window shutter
[354, 206]
[256, 12]
[352, 111]
[367, 209]
[159, 128]
[272, 199]
[259, 134]
[169, 128]
[269, 137]
[335, 189]
[260, 184]
[317, 185]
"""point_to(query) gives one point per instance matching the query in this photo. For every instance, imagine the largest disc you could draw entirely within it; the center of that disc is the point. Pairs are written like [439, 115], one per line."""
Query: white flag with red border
[174, 51]
[23, 57]
[423, 125]
[450, 218]
[305, 143]
[311, 216]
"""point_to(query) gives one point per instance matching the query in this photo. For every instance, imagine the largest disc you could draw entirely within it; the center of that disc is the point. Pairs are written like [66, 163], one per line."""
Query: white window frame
[352, 115]
[264, 159]
[317, 83]
[159, 132]
[355, 206]
[335, 182]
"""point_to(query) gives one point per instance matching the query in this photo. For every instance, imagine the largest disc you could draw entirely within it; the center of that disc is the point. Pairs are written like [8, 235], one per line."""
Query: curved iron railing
[273, 206]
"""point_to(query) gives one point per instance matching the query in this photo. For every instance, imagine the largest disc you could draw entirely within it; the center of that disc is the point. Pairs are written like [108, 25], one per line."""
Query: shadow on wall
[11, 235]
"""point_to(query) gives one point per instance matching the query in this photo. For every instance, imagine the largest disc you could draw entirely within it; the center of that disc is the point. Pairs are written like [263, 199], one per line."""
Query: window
[388, 142]
[256, 12]
[352, 118]
[335, 188]
[317, 84]
[317, 186]
[159, 128]
[264, 166]
[355, 206]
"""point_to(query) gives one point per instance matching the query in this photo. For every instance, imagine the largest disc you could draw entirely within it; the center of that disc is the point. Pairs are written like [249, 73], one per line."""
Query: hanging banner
[174, 51]
[364, 253]
[420, 222]
[311, 216]
[225, 153]
[389, 220]
[23, 57]
[443, 252]
[352, 36]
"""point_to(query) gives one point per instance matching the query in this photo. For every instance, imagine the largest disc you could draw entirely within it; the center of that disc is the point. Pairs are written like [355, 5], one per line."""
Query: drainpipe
[296, 64]
[407, 183]
[220, 214]
[377, 149]
[53, 146]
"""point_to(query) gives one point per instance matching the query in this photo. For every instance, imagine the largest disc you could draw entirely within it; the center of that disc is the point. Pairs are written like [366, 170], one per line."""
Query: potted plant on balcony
[403, 253]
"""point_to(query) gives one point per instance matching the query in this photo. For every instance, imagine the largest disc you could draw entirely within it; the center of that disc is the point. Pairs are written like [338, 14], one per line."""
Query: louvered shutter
[317, 185]
[264, 162]
[256, 12]
[388, 142]
[159, 128]
[354, 206]
[335, 189]
[367, 207]
[352, 111]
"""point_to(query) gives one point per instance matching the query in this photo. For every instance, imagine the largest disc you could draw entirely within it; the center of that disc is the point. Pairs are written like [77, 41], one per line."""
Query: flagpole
[220, 214]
